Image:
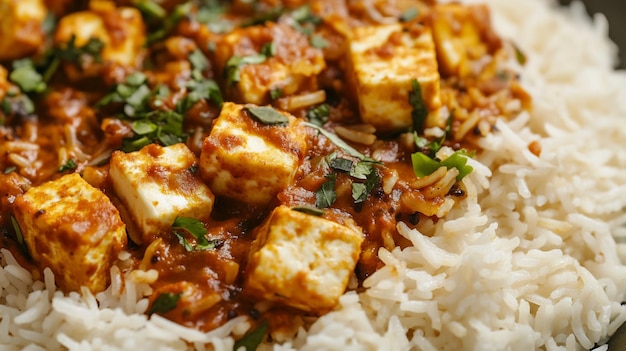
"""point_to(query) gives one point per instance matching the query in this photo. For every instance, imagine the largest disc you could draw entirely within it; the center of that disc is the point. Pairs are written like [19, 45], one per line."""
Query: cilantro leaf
[326, 195]
[341, 164]
[409, 14]
[18, 234]
[67, 166]
[232, 73]
[79, 55]
[251, 340]
[360, 191]
[420, 112]
[319, 115]
[164, 303]
[276, 93]
[339, 142]
[309, 210]
[197, 230]
[319, 42]
[267, 115]
[26, 77]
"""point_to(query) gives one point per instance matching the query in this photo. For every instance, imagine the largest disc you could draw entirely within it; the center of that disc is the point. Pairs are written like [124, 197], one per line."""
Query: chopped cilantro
[339, 142]
[198, 60]
[150, 8]
[276, 93]
[236, 62]
[68, 166]
[169, 23]
[79, 55]
[269, 16]
[197, 230]
[408, 15]
[26, 77]
[319, 115]
[18, 234]
[360, 191]
[341, 164]
[164, 303]
[362, 170]
[319, 42]
[326, 195]
[268, 49]
[251, 340]
[304, 21]
[309, 210]
[420, 112]
[9, 170]
[519, 55]
[267, 115]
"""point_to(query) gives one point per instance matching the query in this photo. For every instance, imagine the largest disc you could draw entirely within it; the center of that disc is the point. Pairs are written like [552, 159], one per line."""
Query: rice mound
[532, 259]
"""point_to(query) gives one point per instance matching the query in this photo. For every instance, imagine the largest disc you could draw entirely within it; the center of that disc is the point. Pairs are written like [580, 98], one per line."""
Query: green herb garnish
[319, 115]
[251, 340]
[326, 195]
[267, 115]
[309, 210]
[18, 234]
[276, 93]
[67, 166]
[424, 165]
[339, 142]
[420, 112]
[318, 42]
[26, 77]
[341, 164]
[79, 55]
[197, 230]
[360, 191]
[233, 75]
[164, 303]
[408, 15]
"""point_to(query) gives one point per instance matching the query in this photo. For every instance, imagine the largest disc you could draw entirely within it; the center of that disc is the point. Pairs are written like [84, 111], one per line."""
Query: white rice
[531, 260]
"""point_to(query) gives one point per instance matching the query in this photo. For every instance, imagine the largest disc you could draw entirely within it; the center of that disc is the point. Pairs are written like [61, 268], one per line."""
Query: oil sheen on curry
[241, 157]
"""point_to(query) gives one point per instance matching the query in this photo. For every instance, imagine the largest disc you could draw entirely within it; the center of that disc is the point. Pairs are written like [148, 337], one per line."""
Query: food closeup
[310, 175]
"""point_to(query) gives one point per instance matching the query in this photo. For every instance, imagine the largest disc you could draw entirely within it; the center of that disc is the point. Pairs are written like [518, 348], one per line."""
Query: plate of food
[311, 175]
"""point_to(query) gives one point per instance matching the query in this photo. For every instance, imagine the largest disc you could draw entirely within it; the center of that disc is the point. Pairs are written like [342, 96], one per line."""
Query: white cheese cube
[383, 61]
[20, 28]
[292, 68]
[74, 229]
[249, 161]
[301, 260]
[121, 30]
[156, 184]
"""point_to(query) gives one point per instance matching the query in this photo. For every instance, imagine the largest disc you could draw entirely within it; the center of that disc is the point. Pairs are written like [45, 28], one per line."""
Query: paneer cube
[301, 260]
[291, 66]
[383, 61]
[249, 161]
[121, 30]
[156, 184]
[20, 28]
[462, 34]
[74, 229]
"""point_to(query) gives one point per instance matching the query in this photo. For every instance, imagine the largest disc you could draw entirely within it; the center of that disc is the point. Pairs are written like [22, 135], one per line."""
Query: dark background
[615, 12]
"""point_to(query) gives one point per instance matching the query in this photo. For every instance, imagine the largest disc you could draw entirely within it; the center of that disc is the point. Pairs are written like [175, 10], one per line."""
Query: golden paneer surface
[302, 260]
[20, 27]
[291, 63]
[383, 61]
[156, 184]
[74, 229]
[458, 32]
[247, 160]
[121, 30]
